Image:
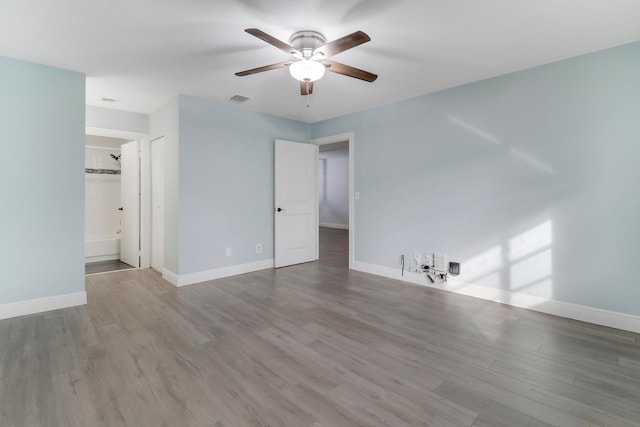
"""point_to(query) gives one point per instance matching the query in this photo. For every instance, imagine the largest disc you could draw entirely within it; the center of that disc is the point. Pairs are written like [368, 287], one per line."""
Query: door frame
[130, 203]
[152, 209]
[145, 184]
[348, 136]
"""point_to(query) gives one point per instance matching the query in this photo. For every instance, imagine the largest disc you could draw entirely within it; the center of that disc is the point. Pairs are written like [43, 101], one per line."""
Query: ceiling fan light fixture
[307, 70]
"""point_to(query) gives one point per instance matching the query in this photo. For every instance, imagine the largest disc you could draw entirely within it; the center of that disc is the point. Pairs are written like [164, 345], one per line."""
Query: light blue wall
[530, 179]
[42, 181]
[226, 182]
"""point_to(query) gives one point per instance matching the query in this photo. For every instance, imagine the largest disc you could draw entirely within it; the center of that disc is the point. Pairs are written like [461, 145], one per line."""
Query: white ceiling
[144, 52]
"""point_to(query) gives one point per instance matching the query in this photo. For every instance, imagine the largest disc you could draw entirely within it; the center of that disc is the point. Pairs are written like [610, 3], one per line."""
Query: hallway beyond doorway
[334, 246]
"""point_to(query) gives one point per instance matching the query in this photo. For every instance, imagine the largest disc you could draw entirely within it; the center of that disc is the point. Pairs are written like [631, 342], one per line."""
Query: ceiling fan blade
[306, 88]
[265, 68]
[342, 44]
[346, 70]
[273, 41]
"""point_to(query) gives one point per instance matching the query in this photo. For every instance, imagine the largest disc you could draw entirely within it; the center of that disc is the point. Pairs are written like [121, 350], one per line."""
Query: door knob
[120, 209]
[280, 209]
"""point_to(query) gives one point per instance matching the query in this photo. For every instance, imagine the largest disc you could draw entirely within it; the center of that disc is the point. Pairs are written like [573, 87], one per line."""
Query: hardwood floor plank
[60, 346]
[499, 388]
[74, 406]
[406, 394]
[99, 301]
[364, 407]
[423, 379]
[490, 412]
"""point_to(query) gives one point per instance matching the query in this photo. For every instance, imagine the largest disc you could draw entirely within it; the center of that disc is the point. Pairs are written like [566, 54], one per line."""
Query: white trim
[596, 316]
[348, 136]
[331, 225]
[317, 203]
[145, 201]
[170, 276]
[23, 308]
[101, 258]
[218, 273]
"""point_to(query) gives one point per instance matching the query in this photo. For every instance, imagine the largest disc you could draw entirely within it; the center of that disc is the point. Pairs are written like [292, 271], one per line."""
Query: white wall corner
[596, 316]
[218, 273]
[23, 308]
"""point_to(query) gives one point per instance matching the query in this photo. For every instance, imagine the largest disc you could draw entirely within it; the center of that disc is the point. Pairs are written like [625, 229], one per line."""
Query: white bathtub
[103, 248]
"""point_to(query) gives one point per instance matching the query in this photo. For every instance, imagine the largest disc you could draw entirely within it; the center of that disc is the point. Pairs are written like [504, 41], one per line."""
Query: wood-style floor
[313, 345]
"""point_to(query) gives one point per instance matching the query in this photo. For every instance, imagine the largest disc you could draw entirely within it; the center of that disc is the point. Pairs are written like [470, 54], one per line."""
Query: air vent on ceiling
[239, 98]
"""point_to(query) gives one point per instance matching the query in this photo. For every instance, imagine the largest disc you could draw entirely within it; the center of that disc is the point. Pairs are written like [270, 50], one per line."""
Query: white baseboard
[596, 316]
[170, 276]
[218, 273]
[23, 308]
[101, 258]
[330, 225]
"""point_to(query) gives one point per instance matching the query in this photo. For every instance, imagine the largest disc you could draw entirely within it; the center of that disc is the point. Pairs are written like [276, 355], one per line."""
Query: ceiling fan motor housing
[306, 42]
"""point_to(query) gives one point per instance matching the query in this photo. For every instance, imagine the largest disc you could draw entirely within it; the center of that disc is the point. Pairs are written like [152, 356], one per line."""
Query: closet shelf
[102, 171]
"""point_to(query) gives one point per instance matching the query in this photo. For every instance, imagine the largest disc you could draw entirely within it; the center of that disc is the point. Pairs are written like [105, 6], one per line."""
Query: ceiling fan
[311, 52]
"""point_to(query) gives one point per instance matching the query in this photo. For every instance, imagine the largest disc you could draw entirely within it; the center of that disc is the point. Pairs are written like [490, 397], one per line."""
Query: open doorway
[335, 199]
[135, 192]
[105, 222]
[333, 202]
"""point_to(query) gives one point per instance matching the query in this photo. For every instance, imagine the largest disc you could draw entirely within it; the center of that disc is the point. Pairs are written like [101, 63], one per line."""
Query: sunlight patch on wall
[520, 265]
[532, 240]
[482, 266]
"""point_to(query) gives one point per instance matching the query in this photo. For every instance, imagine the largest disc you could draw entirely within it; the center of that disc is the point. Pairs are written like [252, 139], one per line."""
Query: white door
[157, 204]
[130, 194]
[296, 203]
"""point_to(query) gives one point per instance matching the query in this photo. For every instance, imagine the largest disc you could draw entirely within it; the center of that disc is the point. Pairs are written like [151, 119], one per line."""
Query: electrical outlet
[258, 248]
[228, 251]
[417, 257]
